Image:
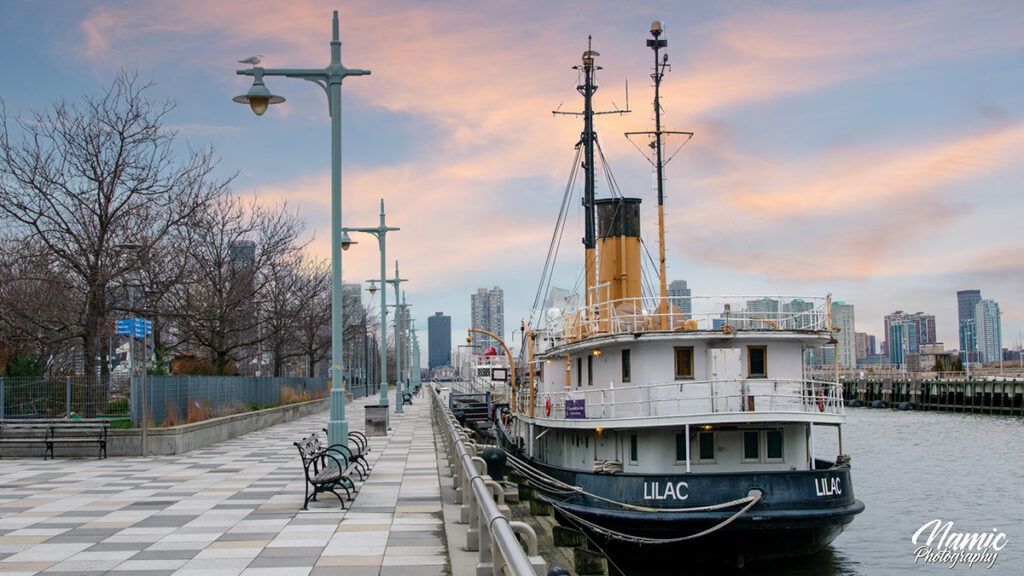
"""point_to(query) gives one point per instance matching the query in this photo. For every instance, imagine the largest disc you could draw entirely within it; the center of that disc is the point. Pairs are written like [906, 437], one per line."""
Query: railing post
[67, 397]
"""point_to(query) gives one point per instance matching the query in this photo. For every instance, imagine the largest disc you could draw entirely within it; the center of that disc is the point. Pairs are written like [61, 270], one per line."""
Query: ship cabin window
[579, 372]
[706, 446]
[773, 445]
[590, 370]
[757, 362]
[751, 446]
[684, 363]
[627, 370]
[633, 449]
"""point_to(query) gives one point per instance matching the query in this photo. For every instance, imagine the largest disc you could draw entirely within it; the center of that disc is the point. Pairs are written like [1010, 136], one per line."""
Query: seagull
[254, 60]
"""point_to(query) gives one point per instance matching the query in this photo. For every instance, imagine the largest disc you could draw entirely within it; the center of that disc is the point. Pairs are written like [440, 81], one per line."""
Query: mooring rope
[754, 498]
[556, 486]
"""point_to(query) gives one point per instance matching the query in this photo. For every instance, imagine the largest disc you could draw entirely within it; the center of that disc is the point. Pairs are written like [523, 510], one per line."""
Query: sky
[870, 150]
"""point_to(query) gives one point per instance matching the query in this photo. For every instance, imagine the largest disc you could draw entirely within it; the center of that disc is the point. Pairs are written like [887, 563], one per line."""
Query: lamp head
[258, 97]
[373, 287]
[346, 241]
[656, 28]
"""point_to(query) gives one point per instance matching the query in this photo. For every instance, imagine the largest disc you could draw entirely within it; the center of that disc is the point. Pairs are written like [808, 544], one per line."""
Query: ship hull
[800, 512]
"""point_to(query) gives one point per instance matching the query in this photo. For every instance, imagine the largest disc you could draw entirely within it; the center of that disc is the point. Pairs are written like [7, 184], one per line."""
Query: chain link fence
[63, 397]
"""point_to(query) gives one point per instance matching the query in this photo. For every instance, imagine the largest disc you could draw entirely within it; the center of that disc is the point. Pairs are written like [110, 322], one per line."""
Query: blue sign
[126, 326]
[135, 327]
[143, 327]
[576, 408]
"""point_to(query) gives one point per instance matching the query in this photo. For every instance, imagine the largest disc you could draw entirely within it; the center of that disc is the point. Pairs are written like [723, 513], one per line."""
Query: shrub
[290, 395]
[228, 409]
[171, 417]
[197, 411]
[119, 406]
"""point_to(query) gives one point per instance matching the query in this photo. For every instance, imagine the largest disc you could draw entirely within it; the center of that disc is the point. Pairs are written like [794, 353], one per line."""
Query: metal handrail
[501, 531]
[631, 315]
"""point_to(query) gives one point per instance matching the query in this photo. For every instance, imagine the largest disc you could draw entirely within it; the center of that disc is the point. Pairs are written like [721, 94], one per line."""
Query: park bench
[356, 451]
[326, 470]
[50, 432]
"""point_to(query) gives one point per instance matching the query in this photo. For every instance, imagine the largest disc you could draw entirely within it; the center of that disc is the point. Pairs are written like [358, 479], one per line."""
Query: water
[910, 468]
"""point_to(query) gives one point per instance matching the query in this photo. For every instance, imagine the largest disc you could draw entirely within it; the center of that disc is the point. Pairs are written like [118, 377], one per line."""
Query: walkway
[229, 509]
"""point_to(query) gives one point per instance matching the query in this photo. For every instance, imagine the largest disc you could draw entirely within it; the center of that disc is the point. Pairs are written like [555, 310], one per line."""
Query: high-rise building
[966, 303]
[842, 318]
[865, 344]
[901, 336]
[924, 324]
[798, 314]
[988, 326]
[439, 340]
[679, 295]
[756, 311]
[488, 313]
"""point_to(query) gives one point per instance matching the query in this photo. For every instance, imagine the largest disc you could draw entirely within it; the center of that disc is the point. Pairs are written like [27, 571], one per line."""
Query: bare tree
[313, 334]
[83, 179]
[237, 244]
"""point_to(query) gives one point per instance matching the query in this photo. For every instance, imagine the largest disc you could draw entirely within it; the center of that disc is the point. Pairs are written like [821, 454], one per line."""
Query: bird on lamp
[254, 60]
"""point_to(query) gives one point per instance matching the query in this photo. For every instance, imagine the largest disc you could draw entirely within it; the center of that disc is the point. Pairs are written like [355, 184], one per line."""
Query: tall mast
[588, 137]
[659, 71]
[660, 65]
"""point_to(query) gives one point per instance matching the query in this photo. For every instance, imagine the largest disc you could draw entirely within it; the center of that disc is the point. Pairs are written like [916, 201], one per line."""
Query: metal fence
[179, 399]
[172, 399]
[63, 397]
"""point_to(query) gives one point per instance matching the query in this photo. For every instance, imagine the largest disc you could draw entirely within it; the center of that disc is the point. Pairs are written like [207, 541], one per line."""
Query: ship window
[751, 445]
[633, 449]
[757, 362]
[773, 444]
[684, 363]
[626, 368]
[579, 372]
[706, 445]
[590, 370]
[680, 447]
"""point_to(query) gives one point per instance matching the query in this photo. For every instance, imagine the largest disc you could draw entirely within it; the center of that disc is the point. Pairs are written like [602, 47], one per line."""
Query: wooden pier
[989, 396]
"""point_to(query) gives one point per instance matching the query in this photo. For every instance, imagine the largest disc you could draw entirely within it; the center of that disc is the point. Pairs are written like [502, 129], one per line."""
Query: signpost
[138, 328]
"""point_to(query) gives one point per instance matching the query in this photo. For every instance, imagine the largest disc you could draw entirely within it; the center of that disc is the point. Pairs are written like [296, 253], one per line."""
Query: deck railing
[728, 313]
[694, 398]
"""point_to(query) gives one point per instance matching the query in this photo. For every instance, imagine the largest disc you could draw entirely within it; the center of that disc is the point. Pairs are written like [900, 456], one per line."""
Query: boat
[675, 429]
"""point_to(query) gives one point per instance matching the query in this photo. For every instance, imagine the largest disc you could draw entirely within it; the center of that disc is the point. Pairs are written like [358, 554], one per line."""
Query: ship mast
[659, 71]
[588, 139]
[660, 65]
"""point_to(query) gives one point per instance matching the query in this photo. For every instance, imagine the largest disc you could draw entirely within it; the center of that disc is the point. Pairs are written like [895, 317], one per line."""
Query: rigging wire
[556, 237]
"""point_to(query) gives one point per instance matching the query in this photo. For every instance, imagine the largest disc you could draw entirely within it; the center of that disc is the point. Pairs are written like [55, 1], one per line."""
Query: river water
[910, 468]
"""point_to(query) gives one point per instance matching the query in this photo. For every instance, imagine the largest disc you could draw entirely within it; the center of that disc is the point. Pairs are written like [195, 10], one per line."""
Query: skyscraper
[842, 318]
[679, 296]
[966, 302]
[488, 313]
[988, 329]
[923, 324]
[439, 340]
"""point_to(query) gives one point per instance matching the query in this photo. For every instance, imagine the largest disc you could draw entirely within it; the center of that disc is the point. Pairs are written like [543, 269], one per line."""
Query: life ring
[821, 402]
[547, 407]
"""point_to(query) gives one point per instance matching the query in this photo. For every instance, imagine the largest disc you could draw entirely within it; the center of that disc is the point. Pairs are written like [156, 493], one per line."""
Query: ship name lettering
[828, 486]
[655, 491]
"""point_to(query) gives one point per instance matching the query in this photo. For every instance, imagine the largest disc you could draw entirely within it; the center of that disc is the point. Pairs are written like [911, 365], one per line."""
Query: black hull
[801, 512]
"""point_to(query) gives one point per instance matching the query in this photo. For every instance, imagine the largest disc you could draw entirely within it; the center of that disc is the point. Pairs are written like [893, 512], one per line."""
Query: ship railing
[719, 313]
[490, 532]
[694, 398]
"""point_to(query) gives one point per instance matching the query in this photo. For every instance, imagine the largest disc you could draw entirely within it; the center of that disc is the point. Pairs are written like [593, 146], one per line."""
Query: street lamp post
[258, 98]
[398, 351]
[380, 232]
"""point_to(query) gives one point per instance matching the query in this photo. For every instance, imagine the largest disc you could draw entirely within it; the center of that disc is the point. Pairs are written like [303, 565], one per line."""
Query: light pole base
[337, 427]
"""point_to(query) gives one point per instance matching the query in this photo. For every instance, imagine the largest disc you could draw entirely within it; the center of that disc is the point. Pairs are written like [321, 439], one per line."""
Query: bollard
[495, 459]
[589, 562]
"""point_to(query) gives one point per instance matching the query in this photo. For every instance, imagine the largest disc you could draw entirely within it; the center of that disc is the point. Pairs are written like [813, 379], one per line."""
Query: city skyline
[867, 151]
